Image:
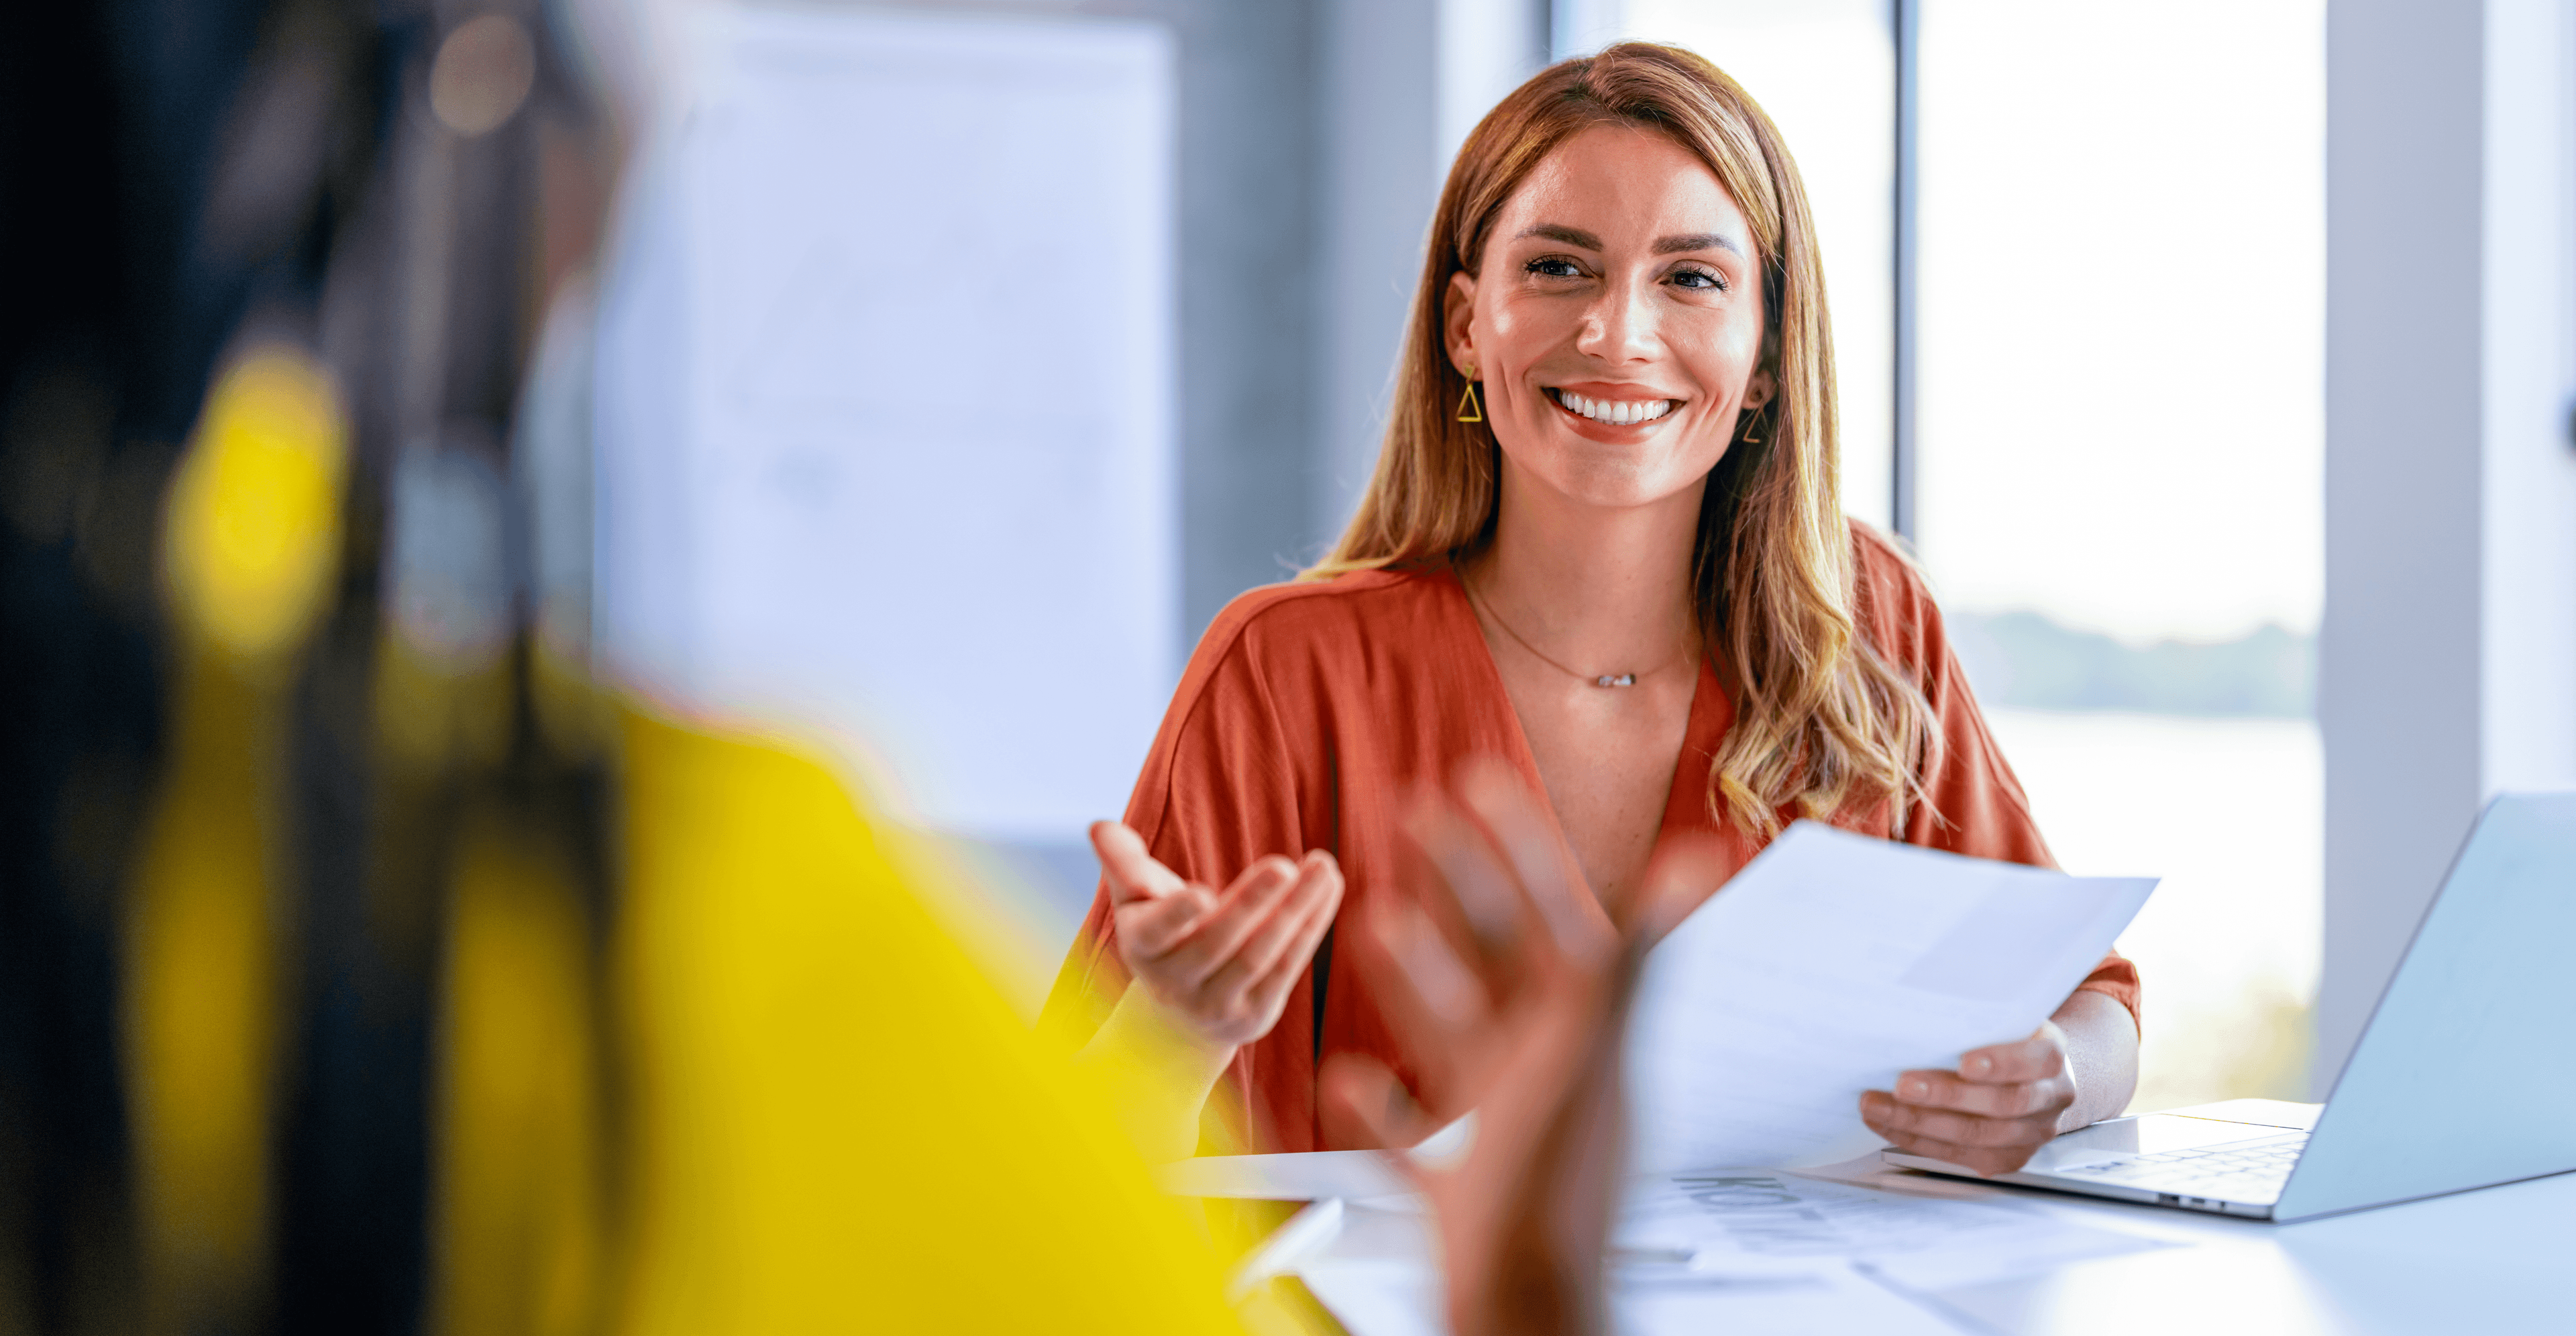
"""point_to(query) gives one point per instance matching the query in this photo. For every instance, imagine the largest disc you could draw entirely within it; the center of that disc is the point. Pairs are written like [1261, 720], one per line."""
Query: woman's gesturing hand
[1991, 1115]
[1218, 964]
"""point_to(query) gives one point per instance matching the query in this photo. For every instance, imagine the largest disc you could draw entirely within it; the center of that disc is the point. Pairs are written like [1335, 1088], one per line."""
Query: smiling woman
[1602, 546]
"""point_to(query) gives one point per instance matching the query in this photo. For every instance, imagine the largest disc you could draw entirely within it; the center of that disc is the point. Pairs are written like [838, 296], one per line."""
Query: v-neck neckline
[1711, 713]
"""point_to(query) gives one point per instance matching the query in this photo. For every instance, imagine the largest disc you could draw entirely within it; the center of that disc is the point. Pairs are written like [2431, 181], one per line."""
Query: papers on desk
[1372, 1297]
[1739, 1251]
[1832, 962]
[1747, 1224]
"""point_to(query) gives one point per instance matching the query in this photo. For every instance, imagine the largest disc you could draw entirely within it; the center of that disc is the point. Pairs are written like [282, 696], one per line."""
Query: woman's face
[1616, 322]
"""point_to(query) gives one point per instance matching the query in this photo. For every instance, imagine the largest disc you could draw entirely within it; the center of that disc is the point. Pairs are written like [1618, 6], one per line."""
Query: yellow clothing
[840, 1125]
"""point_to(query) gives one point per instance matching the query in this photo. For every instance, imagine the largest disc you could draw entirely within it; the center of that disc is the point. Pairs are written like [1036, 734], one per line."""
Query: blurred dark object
[397, 189]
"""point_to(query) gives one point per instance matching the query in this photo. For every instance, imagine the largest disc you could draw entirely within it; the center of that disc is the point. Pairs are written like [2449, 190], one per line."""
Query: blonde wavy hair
[1823, 721]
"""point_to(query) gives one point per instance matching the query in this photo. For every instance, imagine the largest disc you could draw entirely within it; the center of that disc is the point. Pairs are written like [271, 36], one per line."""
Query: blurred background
[915, 381]
[1210, 316]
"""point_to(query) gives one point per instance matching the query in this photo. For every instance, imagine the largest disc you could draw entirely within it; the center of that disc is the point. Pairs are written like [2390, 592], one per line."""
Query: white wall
[2448, 650]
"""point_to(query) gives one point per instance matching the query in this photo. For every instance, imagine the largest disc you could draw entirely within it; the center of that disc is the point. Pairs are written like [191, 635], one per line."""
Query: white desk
[2496, 1262]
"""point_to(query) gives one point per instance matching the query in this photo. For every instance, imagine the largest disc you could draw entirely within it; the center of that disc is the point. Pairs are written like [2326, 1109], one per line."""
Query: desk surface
[2497, 1261]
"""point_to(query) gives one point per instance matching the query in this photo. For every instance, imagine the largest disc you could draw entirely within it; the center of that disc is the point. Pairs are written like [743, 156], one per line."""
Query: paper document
[1379, 1280]
[1751, 1223]
[1404, 1299]
[1832, 962]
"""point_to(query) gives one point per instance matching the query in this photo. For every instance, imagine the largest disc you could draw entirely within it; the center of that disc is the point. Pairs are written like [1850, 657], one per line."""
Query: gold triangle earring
[1750, 422]
[1470, 408]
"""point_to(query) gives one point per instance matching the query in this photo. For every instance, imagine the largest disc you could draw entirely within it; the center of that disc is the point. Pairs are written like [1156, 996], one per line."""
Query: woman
[1602, 544]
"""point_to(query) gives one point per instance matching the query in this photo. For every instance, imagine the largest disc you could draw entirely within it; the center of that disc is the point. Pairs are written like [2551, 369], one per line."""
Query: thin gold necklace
[1596, 679]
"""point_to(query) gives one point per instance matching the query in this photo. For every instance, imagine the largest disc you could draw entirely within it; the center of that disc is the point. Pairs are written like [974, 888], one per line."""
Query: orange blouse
[1308, 707]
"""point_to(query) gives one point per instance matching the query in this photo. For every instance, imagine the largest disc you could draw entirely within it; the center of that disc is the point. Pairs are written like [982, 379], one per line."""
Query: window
[2121, 420]
[2119, 414]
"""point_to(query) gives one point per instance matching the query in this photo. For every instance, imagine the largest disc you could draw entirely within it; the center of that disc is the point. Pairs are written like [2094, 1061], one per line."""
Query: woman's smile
[1611, 406]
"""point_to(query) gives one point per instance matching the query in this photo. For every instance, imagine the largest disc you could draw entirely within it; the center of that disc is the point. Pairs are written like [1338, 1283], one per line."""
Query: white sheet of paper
[1753, 1222]
[1832, 962]
[1379, 1281]
[1737, 1251]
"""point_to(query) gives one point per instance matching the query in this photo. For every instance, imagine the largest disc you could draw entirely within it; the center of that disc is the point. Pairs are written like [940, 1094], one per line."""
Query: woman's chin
[1624, 485]
[1613, 475]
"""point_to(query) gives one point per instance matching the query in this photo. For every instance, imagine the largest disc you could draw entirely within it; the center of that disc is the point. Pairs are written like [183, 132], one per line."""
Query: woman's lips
[1612, 412]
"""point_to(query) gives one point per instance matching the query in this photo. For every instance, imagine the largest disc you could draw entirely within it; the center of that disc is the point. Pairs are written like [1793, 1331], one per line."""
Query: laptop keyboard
[2247, 1171]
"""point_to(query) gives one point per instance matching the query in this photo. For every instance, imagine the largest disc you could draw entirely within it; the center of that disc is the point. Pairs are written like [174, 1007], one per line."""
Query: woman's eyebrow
[1697, 241]
[1572, 236]
[1575, 236]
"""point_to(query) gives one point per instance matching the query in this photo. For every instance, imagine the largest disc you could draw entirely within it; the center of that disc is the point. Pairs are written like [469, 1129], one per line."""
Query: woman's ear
[1457, 320]
[1759, 388]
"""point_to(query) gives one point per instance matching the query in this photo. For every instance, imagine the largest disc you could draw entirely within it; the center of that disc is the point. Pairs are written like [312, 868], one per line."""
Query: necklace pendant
[1622, 680]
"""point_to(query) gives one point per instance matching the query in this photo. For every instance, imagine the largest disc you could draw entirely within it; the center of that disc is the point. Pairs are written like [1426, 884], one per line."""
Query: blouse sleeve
[1973, 803]
[1219, 790]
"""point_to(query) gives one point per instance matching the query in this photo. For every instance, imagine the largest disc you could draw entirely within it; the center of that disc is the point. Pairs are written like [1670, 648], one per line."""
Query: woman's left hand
[1991, 1115]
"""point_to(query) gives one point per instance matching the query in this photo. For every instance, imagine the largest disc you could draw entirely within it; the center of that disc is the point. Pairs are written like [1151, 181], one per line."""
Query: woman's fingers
[1987, 1160]
[1268, 992]
[2037, 1058]
[1249, 907]
[1288, 941]
[1890, 1117]
[2015, 1099]
[1128, 867]
[1150, 929]
[1240, 999]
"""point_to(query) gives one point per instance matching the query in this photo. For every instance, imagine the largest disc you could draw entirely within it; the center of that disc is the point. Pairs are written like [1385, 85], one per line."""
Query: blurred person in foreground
[1604, 544]
[832, 1119]
[372, 968]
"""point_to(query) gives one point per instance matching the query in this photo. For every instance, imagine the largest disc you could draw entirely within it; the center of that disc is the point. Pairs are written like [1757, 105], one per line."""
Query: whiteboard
[886, 417]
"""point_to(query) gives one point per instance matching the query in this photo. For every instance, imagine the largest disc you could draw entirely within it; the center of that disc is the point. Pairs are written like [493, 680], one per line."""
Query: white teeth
[1616, 412]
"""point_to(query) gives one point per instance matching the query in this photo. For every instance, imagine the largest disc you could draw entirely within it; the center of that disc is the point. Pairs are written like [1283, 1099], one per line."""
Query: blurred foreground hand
[1522, 999]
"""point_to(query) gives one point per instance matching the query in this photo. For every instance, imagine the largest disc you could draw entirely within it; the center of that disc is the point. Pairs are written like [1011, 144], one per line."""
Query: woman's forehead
[1624, 185]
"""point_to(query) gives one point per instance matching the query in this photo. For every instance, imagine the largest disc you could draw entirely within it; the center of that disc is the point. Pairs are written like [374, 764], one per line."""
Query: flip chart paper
[886, 423]
[1832, 962]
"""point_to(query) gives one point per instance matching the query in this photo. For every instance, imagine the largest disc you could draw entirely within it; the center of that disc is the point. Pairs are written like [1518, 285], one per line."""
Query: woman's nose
[1620, 326]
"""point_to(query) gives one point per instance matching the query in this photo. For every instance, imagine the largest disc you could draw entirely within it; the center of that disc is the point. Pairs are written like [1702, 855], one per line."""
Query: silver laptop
[2463, 1077]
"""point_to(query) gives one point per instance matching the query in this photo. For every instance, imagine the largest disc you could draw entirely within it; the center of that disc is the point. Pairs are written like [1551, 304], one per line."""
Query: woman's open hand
[1218, 964]
[2003, 1103]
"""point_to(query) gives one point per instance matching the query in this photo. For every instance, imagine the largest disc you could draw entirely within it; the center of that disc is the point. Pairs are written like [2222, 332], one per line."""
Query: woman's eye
[1700, 279]
[1554, 266]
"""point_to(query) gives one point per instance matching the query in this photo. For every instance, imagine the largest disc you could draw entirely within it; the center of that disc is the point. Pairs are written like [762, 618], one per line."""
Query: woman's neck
[1601, 590]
